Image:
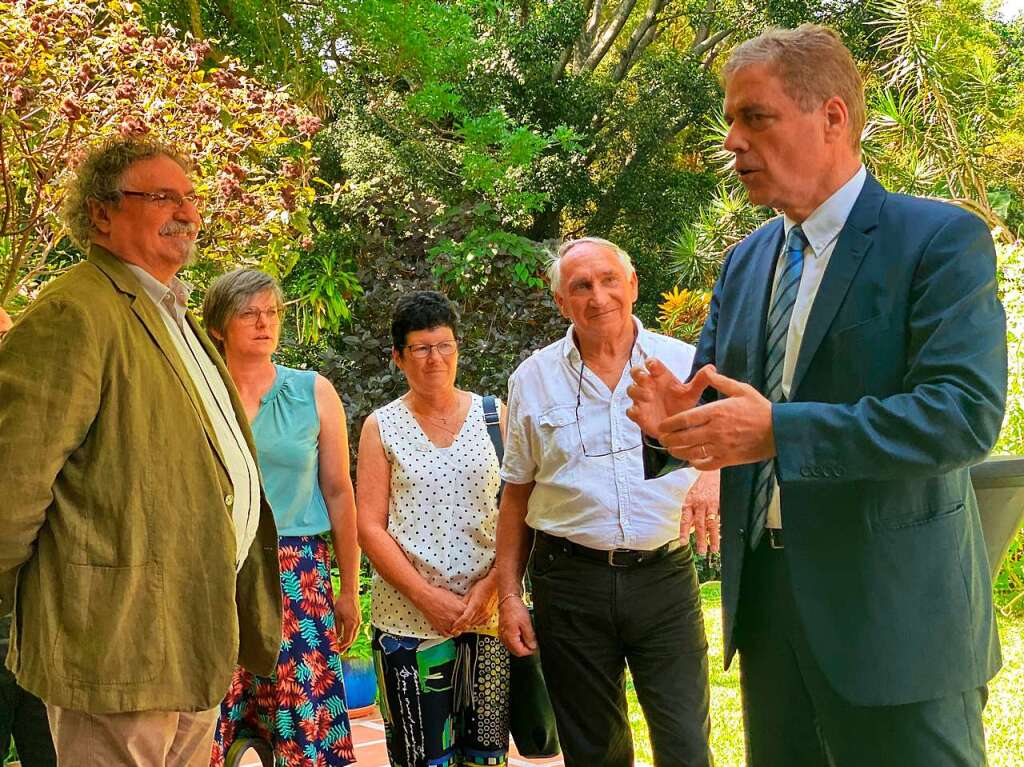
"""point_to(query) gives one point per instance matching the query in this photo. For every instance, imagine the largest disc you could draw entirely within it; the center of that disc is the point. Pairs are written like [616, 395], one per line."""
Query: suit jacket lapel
[854, 241]
[756, 298]
[146, 311]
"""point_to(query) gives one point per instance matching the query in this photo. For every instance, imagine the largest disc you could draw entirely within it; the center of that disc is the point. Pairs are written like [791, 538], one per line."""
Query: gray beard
[188, 252]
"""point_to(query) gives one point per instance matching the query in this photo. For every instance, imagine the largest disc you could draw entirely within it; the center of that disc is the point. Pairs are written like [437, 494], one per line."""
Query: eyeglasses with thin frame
[579, 430]
[251, 316]
[422, 351]
[167, 199]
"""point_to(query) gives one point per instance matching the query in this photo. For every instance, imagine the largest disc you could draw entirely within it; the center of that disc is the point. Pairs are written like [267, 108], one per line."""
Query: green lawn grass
[1004, 715]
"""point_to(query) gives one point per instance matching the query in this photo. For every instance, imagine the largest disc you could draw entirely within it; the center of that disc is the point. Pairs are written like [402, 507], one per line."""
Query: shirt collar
[570, 352]
[172, 298]
[823, 226]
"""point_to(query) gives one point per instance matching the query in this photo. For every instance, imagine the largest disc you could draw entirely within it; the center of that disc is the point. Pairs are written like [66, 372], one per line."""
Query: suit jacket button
[229, 499]
[741, 532]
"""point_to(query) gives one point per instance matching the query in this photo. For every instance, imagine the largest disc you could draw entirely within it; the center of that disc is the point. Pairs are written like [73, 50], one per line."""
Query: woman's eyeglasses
[252, 316]
[422, 351]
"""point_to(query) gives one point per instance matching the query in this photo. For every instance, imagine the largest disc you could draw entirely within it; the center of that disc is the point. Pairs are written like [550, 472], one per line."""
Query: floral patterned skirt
[300, 710]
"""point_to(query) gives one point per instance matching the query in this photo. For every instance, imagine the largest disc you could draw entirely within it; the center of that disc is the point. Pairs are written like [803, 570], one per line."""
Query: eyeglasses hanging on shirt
[579, 402]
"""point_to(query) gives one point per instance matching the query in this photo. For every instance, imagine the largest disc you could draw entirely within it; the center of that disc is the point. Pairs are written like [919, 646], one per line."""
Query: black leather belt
[613, 558]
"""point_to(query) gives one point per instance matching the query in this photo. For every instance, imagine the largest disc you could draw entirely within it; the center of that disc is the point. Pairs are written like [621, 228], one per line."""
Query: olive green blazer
[116, 538]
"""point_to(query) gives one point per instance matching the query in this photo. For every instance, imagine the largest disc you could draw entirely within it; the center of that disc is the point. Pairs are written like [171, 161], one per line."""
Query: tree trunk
[609, 34]
[639, 40]
[547, 225]
[195, 20]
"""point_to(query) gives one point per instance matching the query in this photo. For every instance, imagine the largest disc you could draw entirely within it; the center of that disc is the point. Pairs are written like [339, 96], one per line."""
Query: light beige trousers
[133, 739]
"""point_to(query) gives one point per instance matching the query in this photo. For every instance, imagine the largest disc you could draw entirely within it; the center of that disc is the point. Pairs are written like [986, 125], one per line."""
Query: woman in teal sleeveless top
[287, 432]
[298, 424]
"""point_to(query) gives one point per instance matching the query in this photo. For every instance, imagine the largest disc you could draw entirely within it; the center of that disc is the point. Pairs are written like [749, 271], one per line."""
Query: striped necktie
[774, 360]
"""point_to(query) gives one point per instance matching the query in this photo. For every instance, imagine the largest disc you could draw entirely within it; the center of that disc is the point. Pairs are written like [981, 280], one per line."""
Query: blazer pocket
[863, 327]
[888, 520]
[112, 626]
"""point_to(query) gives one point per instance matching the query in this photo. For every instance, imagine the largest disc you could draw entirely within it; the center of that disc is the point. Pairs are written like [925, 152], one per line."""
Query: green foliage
[557, 122]
[491, 276]
[696, 253]
[324, 286]
[682, 313]
[1009, 583]
[74, 72]
[943, 103]
[1011, 289]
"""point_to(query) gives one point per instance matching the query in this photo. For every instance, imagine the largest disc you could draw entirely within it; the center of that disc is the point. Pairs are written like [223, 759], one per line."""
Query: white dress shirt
[172, 300]
[821, 229]
[601, 502]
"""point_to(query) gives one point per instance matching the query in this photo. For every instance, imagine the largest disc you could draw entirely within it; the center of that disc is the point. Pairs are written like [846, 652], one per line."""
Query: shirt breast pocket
[559, 436]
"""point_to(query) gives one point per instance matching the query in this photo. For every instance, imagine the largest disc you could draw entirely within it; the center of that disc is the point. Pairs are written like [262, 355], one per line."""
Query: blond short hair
[229, 294]
[554, 266]
[813, 64]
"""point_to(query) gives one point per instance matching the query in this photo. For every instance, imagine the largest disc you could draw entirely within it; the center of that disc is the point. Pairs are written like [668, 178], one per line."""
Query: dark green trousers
[793, 717]
[592, 620]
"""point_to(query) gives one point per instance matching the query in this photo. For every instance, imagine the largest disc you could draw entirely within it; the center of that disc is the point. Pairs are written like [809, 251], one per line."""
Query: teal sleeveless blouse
[287, 434]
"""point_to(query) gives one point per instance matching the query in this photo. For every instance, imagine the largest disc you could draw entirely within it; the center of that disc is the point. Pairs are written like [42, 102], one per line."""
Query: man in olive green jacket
[136, 551]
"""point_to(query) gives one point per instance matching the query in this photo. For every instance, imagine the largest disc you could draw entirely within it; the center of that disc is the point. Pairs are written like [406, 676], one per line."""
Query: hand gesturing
[658, 394]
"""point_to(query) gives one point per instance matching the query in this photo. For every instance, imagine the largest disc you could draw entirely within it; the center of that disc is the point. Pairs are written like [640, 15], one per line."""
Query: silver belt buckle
[611, 559]
[772, 541]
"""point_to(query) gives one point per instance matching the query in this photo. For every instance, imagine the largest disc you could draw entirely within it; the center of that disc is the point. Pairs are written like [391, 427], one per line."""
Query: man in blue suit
[855, 364]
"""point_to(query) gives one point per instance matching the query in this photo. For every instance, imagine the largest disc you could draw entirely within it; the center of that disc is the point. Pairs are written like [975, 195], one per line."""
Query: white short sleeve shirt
[600, 501]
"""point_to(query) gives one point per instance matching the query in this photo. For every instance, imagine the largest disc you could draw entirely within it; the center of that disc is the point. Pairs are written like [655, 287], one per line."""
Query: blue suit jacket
[899, 387]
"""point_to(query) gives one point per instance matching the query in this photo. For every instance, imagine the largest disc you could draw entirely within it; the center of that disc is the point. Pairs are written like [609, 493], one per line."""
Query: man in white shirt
[860, 351]
[612, 582]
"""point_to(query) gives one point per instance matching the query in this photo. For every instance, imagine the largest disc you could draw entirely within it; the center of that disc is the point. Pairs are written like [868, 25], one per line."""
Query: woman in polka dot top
[427, 512]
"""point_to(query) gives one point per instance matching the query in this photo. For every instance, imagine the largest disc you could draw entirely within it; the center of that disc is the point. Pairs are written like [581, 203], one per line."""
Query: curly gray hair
[98, 178]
